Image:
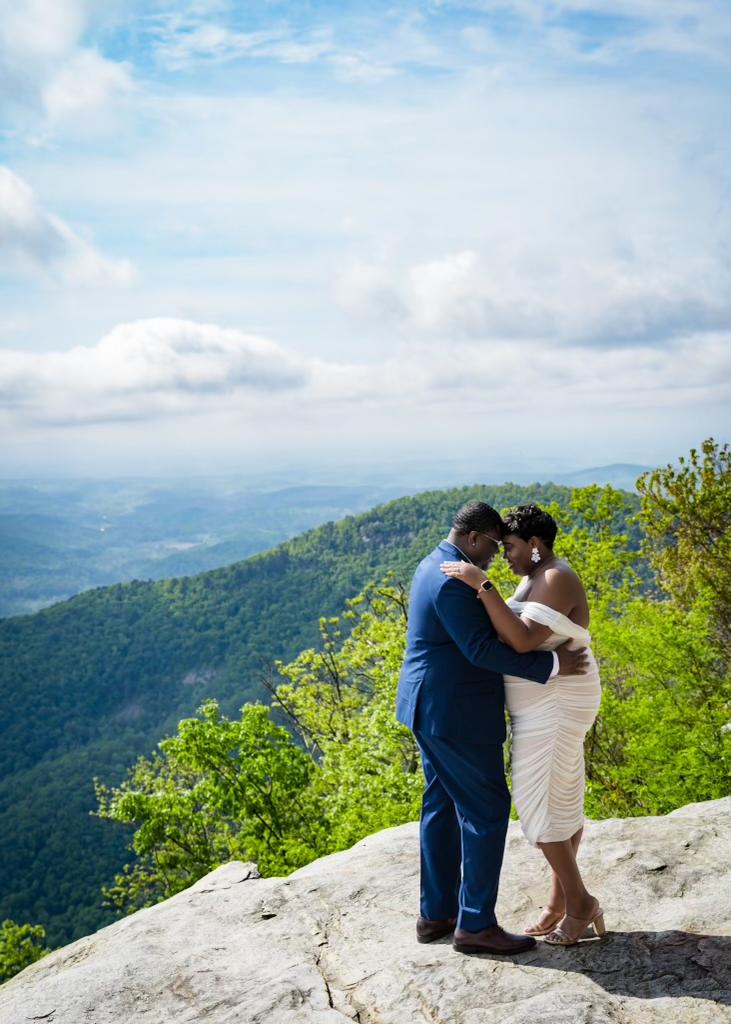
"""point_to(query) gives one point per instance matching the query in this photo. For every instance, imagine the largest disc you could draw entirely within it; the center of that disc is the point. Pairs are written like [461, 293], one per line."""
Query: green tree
[219, 790]
[686, 519]
[340, 700]
[660, 739]
[20, 945]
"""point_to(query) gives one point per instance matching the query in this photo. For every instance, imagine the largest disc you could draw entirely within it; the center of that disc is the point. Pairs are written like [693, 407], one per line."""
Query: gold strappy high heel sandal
[553, 917]
[560, 937]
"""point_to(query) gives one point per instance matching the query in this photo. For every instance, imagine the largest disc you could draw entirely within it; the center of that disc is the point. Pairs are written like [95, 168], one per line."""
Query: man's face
[487, 545]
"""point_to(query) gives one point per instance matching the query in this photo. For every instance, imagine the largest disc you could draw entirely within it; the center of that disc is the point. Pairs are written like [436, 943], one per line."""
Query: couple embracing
[469, 653]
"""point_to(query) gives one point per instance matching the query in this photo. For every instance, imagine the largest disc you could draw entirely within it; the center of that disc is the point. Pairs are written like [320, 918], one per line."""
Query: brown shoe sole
[433, 936]
[465, 947]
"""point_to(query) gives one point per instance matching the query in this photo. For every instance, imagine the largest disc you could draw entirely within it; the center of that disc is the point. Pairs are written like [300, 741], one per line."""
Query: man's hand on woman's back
[572, 663]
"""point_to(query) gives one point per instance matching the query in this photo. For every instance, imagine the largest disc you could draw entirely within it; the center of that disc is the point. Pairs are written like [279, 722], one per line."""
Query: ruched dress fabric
[549, 723]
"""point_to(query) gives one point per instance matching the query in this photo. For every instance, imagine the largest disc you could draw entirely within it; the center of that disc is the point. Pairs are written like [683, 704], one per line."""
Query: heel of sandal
[598, 924]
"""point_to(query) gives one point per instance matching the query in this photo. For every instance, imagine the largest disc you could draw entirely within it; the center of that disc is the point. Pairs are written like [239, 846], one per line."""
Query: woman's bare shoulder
[558, 578]
[560, 569]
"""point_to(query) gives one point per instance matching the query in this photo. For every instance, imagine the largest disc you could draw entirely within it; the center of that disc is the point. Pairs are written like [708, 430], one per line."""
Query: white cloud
[179, 45]
[183, 39]
[45, 67]
[147, 369]
[369, 291]
[592, 301]
[544, 382]
[355, 67]
[39, 28]
[158, 368]
[85, 84]
[372, 46]
[590, 31]
[33, 239]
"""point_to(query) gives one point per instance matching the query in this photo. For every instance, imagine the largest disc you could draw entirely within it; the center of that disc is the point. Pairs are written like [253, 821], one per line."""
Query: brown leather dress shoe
[491, 940]
[428, 931]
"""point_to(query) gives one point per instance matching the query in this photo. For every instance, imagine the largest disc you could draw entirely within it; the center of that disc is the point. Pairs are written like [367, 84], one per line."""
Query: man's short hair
[478, 516]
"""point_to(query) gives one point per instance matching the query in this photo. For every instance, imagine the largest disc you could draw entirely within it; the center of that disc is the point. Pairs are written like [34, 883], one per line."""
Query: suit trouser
[464, 820]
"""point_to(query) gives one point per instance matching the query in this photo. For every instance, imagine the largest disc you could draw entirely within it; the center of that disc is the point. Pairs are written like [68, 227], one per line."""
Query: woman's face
[517, 553]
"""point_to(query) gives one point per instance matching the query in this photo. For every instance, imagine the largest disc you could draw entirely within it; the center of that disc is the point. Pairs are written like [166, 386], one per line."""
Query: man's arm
[466, 622]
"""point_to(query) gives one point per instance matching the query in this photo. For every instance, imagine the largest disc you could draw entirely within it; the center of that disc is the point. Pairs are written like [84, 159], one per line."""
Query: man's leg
[473, 776]
[440, 848]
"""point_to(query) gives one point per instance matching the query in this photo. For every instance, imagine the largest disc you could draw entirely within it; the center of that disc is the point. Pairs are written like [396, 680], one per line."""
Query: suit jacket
[451, 682]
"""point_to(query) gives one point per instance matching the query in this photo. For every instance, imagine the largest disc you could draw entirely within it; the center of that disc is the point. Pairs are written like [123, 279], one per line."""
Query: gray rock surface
[335, 942]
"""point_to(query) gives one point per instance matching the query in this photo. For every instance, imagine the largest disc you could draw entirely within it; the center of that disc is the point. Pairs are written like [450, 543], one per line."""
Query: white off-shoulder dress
[549, 723]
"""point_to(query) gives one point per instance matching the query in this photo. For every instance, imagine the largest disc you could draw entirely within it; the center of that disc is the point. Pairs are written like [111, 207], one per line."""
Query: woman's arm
[522, 635]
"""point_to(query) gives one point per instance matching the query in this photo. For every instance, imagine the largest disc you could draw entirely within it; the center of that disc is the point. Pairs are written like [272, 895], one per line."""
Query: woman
[549, 722]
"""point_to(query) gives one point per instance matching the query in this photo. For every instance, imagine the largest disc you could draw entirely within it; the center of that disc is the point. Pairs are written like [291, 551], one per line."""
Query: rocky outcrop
[334, 943]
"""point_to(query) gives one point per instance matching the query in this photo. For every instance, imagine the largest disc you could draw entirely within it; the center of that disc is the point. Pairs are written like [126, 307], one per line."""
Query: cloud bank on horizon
[257, 229]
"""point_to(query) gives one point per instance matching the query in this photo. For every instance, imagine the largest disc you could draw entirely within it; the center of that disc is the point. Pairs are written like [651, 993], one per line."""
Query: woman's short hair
[478, 516]
[528, 521]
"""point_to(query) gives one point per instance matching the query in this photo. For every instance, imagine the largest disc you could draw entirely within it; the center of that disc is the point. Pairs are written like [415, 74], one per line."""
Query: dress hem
[554, 838]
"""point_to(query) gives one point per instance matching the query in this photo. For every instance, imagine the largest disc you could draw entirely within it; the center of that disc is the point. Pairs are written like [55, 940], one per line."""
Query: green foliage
[340, 700]
[223, 790]
[662, 738]
[686, 517]
[20, 945]
[660, 741]
[220, 790]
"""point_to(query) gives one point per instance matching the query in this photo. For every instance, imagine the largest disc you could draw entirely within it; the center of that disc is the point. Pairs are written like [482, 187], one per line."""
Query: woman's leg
[578, 901]
[557, 896]
[555, 906]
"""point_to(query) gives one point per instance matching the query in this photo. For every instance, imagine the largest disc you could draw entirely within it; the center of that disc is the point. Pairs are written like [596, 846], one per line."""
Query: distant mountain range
[92, 682]
[620, 474]
[59, 538]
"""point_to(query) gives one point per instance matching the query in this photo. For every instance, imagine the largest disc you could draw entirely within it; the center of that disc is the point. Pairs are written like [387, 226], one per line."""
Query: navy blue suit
[450, 695]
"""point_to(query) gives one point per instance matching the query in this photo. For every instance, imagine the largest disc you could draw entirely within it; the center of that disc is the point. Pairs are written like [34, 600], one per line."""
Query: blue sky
[241, 232]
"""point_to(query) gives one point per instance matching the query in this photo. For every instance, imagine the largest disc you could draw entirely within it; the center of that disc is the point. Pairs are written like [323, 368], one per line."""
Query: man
[450, 695]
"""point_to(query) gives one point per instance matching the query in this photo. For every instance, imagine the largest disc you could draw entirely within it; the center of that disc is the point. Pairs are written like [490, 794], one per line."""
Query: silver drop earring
[535, 555]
